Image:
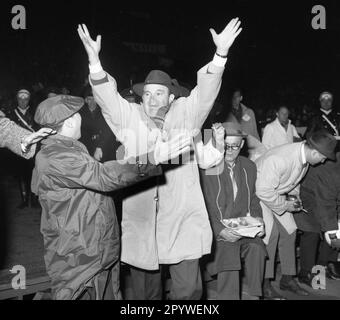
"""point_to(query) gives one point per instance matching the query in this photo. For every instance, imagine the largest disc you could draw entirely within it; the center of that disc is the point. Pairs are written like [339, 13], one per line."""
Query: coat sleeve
[210, 187]
[326, 200]
[77, 171]
[267, 183]
[255, 207]
[115, 109]
[10, 137]
[202, 97]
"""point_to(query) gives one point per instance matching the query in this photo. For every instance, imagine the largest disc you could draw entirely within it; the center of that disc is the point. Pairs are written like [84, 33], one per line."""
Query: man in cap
[229, 191]
[279, 172]
[78, 220]
[165, 222]
[327, 117]
[22, 115]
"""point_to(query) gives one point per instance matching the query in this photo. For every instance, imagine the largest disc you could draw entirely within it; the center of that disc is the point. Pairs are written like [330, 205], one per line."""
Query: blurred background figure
[280, 131]
[23, 115]
[96, 135]
[243, 115]
[327, 117]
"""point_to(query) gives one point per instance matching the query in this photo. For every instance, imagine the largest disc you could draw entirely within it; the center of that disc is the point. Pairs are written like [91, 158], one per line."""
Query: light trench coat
[279, 171]
[168, 222]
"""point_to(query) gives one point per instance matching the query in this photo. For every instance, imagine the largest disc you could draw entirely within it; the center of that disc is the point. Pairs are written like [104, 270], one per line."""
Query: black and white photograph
[182, 152]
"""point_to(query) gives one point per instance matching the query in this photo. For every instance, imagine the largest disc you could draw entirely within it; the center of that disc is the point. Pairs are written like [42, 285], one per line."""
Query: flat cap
[53, 111]
[325, 95]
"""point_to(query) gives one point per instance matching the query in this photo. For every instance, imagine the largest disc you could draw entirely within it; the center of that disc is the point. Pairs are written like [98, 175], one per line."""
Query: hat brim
[329, 155]
[138, 89]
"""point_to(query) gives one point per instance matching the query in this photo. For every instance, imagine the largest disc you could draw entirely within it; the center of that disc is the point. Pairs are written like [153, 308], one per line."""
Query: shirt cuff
[219, 61]
[96, 68]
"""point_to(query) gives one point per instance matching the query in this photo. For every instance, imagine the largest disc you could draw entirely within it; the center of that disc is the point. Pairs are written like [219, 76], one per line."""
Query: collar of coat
[66, 141]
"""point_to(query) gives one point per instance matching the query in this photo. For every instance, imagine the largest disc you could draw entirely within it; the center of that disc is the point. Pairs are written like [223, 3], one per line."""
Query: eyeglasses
[232, 147]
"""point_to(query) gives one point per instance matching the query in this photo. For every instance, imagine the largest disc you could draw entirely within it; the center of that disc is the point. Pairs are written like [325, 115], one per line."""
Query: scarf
[159, 118]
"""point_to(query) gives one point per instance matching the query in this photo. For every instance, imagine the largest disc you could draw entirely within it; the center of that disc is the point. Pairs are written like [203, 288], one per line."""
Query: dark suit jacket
[320, 195]
[218, 194]
[24, 119]
[95, 132]
[318, 122]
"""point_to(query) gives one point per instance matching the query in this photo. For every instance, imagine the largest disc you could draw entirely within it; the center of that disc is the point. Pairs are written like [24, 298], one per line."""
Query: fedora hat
[157, 77]
[233, 129]
[323, 142]
[182, 91]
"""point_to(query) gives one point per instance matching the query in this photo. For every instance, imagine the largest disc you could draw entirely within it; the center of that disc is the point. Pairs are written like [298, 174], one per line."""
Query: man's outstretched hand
[35, 137]
[92, 47]
[225, 39]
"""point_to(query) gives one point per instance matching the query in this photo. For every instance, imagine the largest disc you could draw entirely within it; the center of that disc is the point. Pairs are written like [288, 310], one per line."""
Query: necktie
[233, 181]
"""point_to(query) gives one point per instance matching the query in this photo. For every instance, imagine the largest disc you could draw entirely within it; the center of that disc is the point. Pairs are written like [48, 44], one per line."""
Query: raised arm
[203, 96]
[116, 110]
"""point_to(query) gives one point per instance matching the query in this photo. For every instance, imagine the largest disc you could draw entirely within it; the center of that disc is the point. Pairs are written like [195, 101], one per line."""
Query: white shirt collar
[277, 120]
[23, 111]
[327, 112]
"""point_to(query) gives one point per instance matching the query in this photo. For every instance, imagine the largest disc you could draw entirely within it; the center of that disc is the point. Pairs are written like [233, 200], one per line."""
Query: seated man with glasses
[229, 191]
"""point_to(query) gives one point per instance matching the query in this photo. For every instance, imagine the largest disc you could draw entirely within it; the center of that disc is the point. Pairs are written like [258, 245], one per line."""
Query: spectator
[229, 191]
[279, 172]
[242, 115]
[22, 115]
[320, 195]
[280, 131]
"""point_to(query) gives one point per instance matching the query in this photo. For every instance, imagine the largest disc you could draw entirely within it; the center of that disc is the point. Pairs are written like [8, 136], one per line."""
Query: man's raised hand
[225, 39]
[92, 47]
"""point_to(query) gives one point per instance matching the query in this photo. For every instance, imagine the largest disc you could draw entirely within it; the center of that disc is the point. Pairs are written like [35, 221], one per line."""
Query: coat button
[156, 198]
[142, 175]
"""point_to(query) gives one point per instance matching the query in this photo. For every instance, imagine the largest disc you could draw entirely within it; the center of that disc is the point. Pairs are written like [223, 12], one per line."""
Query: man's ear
[241, 98]
[242, 144]
[171, 98]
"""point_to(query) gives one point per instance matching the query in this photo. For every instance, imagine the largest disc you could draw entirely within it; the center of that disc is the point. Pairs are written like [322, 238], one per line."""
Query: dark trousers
[228, 282]
[314, 251]
[186, 282]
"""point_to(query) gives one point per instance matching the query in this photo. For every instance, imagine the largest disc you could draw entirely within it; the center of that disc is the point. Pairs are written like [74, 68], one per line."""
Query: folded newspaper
[244, 226]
